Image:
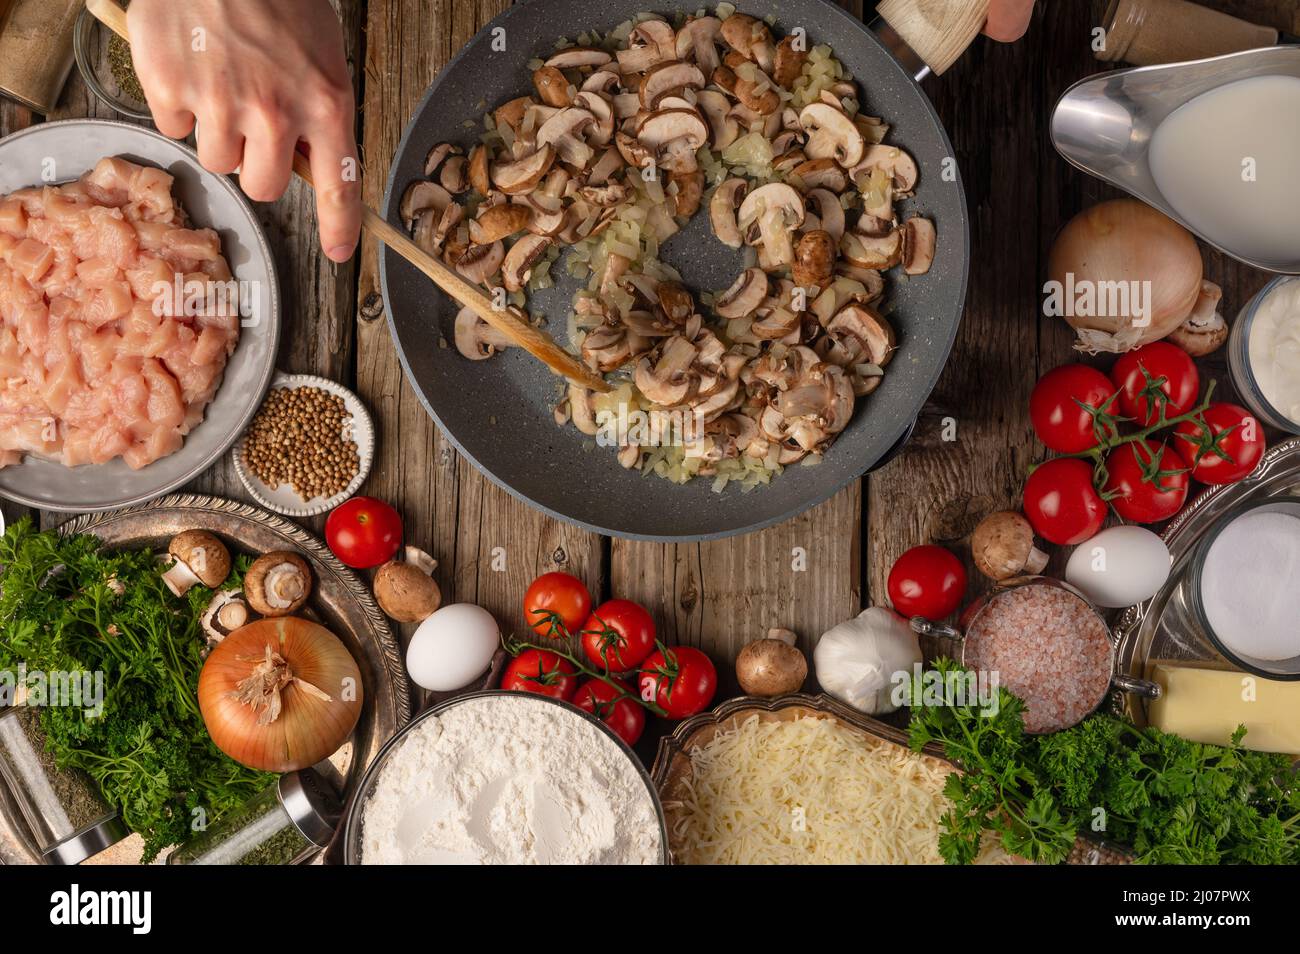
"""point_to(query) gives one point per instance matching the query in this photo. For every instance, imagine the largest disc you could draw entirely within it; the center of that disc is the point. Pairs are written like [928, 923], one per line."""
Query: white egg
[453, 647]
[1119, 566]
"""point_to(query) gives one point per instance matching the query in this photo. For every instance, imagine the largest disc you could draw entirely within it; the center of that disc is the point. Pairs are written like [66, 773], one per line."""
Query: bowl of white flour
[505, 778]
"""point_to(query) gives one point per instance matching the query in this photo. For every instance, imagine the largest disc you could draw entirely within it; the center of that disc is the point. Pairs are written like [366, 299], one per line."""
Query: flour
[509, 780]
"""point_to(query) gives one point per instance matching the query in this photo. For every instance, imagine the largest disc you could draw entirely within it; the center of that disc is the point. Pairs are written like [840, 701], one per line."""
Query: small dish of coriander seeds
[308, 449]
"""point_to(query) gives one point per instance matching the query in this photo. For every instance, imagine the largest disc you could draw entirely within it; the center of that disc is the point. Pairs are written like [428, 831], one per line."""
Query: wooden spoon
[532, 339]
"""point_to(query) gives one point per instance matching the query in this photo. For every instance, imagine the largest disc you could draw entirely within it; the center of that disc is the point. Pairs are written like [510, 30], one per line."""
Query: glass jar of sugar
[1243, 591]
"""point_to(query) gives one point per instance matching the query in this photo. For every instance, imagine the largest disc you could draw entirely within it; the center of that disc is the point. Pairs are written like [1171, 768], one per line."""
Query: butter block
[1207, 705]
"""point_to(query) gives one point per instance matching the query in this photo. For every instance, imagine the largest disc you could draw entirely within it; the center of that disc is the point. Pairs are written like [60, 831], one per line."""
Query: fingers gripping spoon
[532, 339]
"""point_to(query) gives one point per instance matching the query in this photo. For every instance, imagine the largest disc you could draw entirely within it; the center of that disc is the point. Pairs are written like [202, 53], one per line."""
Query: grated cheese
[810, 791]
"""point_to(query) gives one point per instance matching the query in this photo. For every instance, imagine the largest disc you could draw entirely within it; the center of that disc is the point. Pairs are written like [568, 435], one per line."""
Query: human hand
[1008, 19]
[259, 76]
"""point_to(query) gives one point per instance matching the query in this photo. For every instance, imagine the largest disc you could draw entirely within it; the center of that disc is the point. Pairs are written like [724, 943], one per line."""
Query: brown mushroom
[564, 130]
[478, 263]
[689, 192]
[498, 222]
[789, 62]
[197, 556]
[667, 79]
[224, 614]
[510, 115]
[696, 40]
[475, 338]
[1204, 331]
[749, 37]
[814, 257]
[878, 252]
[744, 296]
[453, 176]
[918, 245]
[772, 666]
[521, 175]
[673, 135]
[406, 590]
[820, 174]
[552, 86]
[1003, 547]
[421, 197]
[722, 212]
[777, 210]
[278, 583]
[831, 134]
[858, 334]
[517, 267]
[578, 57]
[896, 163]
[826, 207]
[479, 179]
[436, 156]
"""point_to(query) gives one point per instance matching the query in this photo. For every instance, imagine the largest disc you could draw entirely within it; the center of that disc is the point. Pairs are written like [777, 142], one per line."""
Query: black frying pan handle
[896, 449]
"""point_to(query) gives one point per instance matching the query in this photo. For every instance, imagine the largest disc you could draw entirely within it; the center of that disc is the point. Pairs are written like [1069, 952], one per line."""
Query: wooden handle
[110, 14]
[533, 340]
[938, 31]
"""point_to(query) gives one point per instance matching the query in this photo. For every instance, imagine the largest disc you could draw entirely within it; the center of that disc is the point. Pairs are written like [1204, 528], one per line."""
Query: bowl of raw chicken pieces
[139, 315]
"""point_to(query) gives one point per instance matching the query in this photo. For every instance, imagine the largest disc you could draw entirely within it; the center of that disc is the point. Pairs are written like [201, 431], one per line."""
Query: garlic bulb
[856, 661]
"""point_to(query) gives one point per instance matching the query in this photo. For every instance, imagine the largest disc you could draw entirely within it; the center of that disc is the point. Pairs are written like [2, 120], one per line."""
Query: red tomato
[623, 714]
[927, 581]
[1147, 481]
[1054, 407]
[681, 680]
[363, 532]
[542, 672]
[618, 636]
[1231, 452]
[1061, 503]
[1170, 367]
[556, 601]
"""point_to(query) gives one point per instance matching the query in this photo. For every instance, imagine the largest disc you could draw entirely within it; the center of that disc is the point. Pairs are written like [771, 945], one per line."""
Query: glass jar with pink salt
[1044, 642]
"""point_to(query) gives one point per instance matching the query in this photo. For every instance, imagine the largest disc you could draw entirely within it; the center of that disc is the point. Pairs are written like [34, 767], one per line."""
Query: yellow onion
[280, 694]
[1125, 241]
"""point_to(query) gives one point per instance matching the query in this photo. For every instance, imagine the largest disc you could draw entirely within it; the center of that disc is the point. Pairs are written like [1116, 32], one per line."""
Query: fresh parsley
[1170, 801]
[67, 604]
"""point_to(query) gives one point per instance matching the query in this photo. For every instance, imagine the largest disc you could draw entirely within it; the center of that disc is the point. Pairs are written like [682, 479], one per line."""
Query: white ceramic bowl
[358, 427]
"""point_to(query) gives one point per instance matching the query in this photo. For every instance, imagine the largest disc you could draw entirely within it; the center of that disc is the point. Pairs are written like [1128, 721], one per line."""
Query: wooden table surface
[810, 572]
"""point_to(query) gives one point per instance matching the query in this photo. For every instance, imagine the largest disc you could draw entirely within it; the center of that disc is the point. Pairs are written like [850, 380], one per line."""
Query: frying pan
[498, 412]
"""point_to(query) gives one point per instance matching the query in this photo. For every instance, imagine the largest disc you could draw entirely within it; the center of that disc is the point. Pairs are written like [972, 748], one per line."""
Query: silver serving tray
[340, 601]
[1163, 627]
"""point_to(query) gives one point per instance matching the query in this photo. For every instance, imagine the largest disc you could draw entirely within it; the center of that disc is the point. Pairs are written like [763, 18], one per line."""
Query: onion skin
[309, 729]
[1125, 240]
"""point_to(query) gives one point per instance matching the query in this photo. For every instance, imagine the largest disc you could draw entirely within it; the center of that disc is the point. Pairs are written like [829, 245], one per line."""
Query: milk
[1228, 162]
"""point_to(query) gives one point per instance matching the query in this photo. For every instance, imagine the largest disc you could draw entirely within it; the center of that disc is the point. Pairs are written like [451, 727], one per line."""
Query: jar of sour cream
[1264, 354]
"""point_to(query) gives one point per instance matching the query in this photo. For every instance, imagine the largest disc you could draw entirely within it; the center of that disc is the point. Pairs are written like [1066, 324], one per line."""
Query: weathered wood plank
[451, 510]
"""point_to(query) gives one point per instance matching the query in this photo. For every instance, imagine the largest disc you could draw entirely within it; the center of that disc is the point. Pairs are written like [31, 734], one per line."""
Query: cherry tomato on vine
[1234, 446]
[542, 672]
[1055, 407]
[1061, 503]
[1165, 363]
[554, 601]
[363, 532]
[1146, 482]
[618, 636]
[682, 680]
[621, 713]
[927, 581]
